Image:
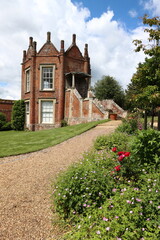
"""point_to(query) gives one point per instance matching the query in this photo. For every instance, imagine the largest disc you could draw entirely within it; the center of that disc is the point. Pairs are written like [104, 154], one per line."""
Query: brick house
[6, 108]
[56, 86]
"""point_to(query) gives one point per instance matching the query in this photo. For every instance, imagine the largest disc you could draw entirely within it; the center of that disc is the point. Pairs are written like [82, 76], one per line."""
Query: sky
[108, 26]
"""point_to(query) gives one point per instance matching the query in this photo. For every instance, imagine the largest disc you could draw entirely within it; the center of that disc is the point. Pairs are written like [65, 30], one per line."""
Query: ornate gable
[48, 49]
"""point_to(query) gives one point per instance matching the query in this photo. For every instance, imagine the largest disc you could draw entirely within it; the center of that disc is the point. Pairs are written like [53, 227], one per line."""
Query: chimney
[62, 46]
[24, 55]
[30, 41]
[48, 37]
[74, 39]
[86, 51]
[34, 48]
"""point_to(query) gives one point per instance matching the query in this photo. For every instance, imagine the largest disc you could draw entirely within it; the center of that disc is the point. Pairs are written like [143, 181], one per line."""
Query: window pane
[47, 77]
[28, 81]
[47, 111]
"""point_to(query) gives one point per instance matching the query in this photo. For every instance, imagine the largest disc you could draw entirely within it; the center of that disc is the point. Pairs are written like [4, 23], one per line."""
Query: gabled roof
[48, 49]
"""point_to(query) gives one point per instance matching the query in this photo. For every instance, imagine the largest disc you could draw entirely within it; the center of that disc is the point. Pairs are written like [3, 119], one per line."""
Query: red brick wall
[85, 108]
[76, 107]
[96, 111]
[6, 108]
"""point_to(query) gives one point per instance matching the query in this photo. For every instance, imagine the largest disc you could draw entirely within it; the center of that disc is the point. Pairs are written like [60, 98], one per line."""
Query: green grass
[18, 142]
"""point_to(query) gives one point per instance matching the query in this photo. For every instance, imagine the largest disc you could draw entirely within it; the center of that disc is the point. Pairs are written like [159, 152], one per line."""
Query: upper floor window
[27, 80]
[47, 77]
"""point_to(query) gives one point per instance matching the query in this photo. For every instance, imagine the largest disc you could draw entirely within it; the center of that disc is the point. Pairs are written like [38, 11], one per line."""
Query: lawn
[18, 142]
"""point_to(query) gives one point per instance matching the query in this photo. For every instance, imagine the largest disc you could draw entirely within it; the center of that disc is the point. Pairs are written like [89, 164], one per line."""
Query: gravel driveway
[25, 183]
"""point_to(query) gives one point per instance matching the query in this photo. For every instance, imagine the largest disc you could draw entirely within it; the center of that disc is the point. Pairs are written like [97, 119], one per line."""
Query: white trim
[53, 77]
[40, 110]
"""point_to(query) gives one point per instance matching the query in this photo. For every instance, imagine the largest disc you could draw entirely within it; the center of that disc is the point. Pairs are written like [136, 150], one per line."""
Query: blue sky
[128, 12]
[107, 26]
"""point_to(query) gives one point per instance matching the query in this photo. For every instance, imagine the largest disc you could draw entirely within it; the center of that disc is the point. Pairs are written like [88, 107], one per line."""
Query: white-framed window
[47, 77]
[27, 74]
[27, 113]
[47, 111]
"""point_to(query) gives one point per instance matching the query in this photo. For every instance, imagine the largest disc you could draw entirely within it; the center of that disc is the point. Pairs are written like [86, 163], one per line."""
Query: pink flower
[138, 200]
[105, 219]
[107, 228]
[120, 158]
[114, 149]
[114, 190]
[98, 232]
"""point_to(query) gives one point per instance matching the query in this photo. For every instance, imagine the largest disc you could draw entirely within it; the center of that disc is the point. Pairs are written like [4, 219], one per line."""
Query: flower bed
[109, 195]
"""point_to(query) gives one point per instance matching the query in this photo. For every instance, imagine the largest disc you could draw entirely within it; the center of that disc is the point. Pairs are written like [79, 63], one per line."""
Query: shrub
[2, 120]
[84, 185]
[146, 149]
[64, 123]
[18, 115]
[129, 126]
[119, 140]
[7, 126]
[132, 213]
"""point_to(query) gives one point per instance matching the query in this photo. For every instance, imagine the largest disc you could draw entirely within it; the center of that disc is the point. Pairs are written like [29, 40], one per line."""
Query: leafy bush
[132, 213]
[18, 115]
[146, 149]
[7, 126]
[2, 120]
[129, 126]
[119, 140]
[64, 123]
[85, 185]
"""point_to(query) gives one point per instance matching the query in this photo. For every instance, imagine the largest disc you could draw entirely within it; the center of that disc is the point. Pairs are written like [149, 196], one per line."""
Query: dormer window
[47, 77]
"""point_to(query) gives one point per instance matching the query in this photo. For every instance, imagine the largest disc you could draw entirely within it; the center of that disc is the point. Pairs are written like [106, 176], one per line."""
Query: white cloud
[152, 5]
[133, 13]
[110, 46]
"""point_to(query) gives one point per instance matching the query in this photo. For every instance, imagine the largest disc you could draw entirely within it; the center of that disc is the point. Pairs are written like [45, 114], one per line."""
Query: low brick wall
[6, 108]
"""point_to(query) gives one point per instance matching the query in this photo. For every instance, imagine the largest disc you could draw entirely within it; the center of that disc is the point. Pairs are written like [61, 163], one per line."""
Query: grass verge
[19, 142]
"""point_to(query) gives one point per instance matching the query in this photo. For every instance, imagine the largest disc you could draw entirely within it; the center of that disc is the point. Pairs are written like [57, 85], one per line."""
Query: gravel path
[25, 183]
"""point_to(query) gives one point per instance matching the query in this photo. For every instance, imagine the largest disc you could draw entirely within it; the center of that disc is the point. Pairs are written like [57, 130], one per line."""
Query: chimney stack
[48, 37]
[74, 39]
[30, 41]
[62, 46]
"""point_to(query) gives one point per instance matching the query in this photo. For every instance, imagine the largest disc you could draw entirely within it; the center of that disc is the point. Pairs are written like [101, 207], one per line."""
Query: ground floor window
[47, 110]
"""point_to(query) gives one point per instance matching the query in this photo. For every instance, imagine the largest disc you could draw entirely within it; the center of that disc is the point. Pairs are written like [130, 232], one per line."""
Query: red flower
[120, 158]
[127, 154]
[114, 149]
[117, 168]
[120, 153]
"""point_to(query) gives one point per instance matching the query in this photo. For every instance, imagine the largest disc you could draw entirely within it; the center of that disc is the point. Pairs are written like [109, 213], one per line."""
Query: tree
[144, 89]
[2, 120]
[109, 88]
[18, 115]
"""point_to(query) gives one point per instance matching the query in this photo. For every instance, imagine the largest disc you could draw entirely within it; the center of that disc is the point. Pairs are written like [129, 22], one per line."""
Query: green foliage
[146, 148]
[129, 126]
[2, 120]
[109, 88]
[18, 115]
[84, 185]
[7, 126]
[131, 213]
[64, 123]
[117, 139]
[144, 89]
